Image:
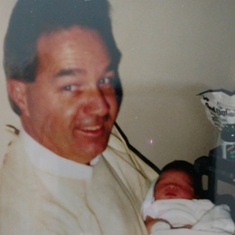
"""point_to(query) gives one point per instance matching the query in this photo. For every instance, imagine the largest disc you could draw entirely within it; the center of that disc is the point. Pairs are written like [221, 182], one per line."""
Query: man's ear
[17, 92]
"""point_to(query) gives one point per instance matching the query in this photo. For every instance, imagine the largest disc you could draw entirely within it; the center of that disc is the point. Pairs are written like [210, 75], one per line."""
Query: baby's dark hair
[188, 168]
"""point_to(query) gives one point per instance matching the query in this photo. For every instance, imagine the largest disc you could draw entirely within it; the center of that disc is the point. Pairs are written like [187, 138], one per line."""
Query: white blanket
[186, 232]
[204, 216]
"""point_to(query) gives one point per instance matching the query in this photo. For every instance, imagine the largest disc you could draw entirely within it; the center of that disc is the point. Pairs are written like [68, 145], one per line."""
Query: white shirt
[42, 193]
[47, 161]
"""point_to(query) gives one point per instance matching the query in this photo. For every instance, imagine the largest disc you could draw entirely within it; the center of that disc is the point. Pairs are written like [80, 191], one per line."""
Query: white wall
[6, 115]
[172, 50]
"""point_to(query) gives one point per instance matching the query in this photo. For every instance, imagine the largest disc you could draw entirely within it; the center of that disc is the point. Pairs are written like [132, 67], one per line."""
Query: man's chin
[95, 150]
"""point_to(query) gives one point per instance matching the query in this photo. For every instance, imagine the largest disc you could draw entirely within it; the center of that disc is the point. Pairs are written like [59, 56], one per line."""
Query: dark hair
[188, 168]
[32, 18]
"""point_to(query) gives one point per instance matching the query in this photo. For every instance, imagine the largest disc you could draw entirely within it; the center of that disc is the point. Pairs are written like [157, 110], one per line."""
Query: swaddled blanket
[202, 215]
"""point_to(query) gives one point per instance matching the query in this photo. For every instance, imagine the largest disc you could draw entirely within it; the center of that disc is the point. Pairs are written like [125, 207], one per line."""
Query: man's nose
[96, 103]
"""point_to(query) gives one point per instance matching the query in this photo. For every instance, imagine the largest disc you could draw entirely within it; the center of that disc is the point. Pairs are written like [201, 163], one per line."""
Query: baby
[180, 183]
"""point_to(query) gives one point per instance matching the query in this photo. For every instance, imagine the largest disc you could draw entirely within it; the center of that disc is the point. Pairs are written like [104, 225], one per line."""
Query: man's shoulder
[9, 133]
[14, 161]
[121, 154]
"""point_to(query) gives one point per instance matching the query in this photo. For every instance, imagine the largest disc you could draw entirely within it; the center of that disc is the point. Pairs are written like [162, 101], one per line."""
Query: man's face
[174, 184]
[71, 107]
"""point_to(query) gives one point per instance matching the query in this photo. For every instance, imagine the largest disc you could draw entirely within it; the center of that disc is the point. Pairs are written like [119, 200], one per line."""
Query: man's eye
[70, 88]
[105, 81]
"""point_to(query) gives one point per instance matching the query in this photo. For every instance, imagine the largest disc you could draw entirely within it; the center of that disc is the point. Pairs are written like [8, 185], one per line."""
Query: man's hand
[149, 222]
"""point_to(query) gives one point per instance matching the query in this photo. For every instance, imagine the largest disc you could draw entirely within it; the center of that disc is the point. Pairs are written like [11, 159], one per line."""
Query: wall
[6, 115]
[172, 50]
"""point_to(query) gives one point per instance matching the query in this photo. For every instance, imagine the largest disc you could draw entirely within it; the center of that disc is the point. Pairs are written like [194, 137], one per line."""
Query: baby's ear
[17, 92]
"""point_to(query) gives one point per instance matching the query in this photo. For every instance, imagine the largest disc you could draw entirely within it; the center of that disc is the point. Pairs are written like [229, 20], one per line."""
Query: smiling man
[68, 170]
[73, 90]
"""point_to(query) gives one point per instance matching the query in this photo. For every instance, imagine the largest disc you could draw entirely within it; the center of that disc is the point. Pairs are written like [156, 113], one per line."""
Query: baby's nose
[172, 186]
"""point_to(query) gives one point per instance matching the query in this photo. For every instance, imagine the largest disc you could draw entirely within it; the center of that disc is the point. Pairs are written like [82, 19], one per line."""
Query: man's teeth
[92, 128]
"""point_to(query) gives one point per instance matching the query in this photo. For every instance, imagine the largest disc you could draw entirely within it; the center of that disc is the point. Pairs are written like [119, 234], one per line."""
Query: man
[59, 176]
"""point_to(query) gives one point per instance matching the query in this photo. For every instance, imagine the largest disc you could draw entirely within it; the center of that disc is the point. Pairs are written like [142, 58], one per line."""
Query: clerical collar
[47, 161]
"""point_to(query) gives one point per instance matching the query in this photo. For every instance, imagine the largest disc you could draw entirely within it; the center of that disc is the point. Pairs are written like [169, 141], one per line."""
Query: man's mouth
[92, 128]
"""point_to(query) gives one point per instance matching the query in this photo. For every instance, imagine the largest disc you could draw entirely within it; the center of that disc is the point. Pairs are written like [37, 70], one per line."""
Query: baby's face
[174, 184]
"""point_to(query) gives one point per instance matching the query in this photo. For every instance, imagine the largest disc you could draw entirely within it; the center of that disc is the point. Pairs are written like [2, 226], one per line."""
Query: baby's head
[178, 179]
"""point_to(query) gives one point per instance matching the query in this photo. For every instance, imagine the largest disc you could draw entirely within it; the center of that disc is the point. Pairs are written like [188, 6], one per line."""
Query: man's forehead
[73, 51]
[87, 40]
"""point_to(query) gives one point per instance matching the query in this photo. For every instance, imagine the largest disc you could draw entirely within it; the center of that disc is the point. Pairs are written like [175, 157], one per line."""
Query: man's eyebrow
[69, 72]
[76, 71]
